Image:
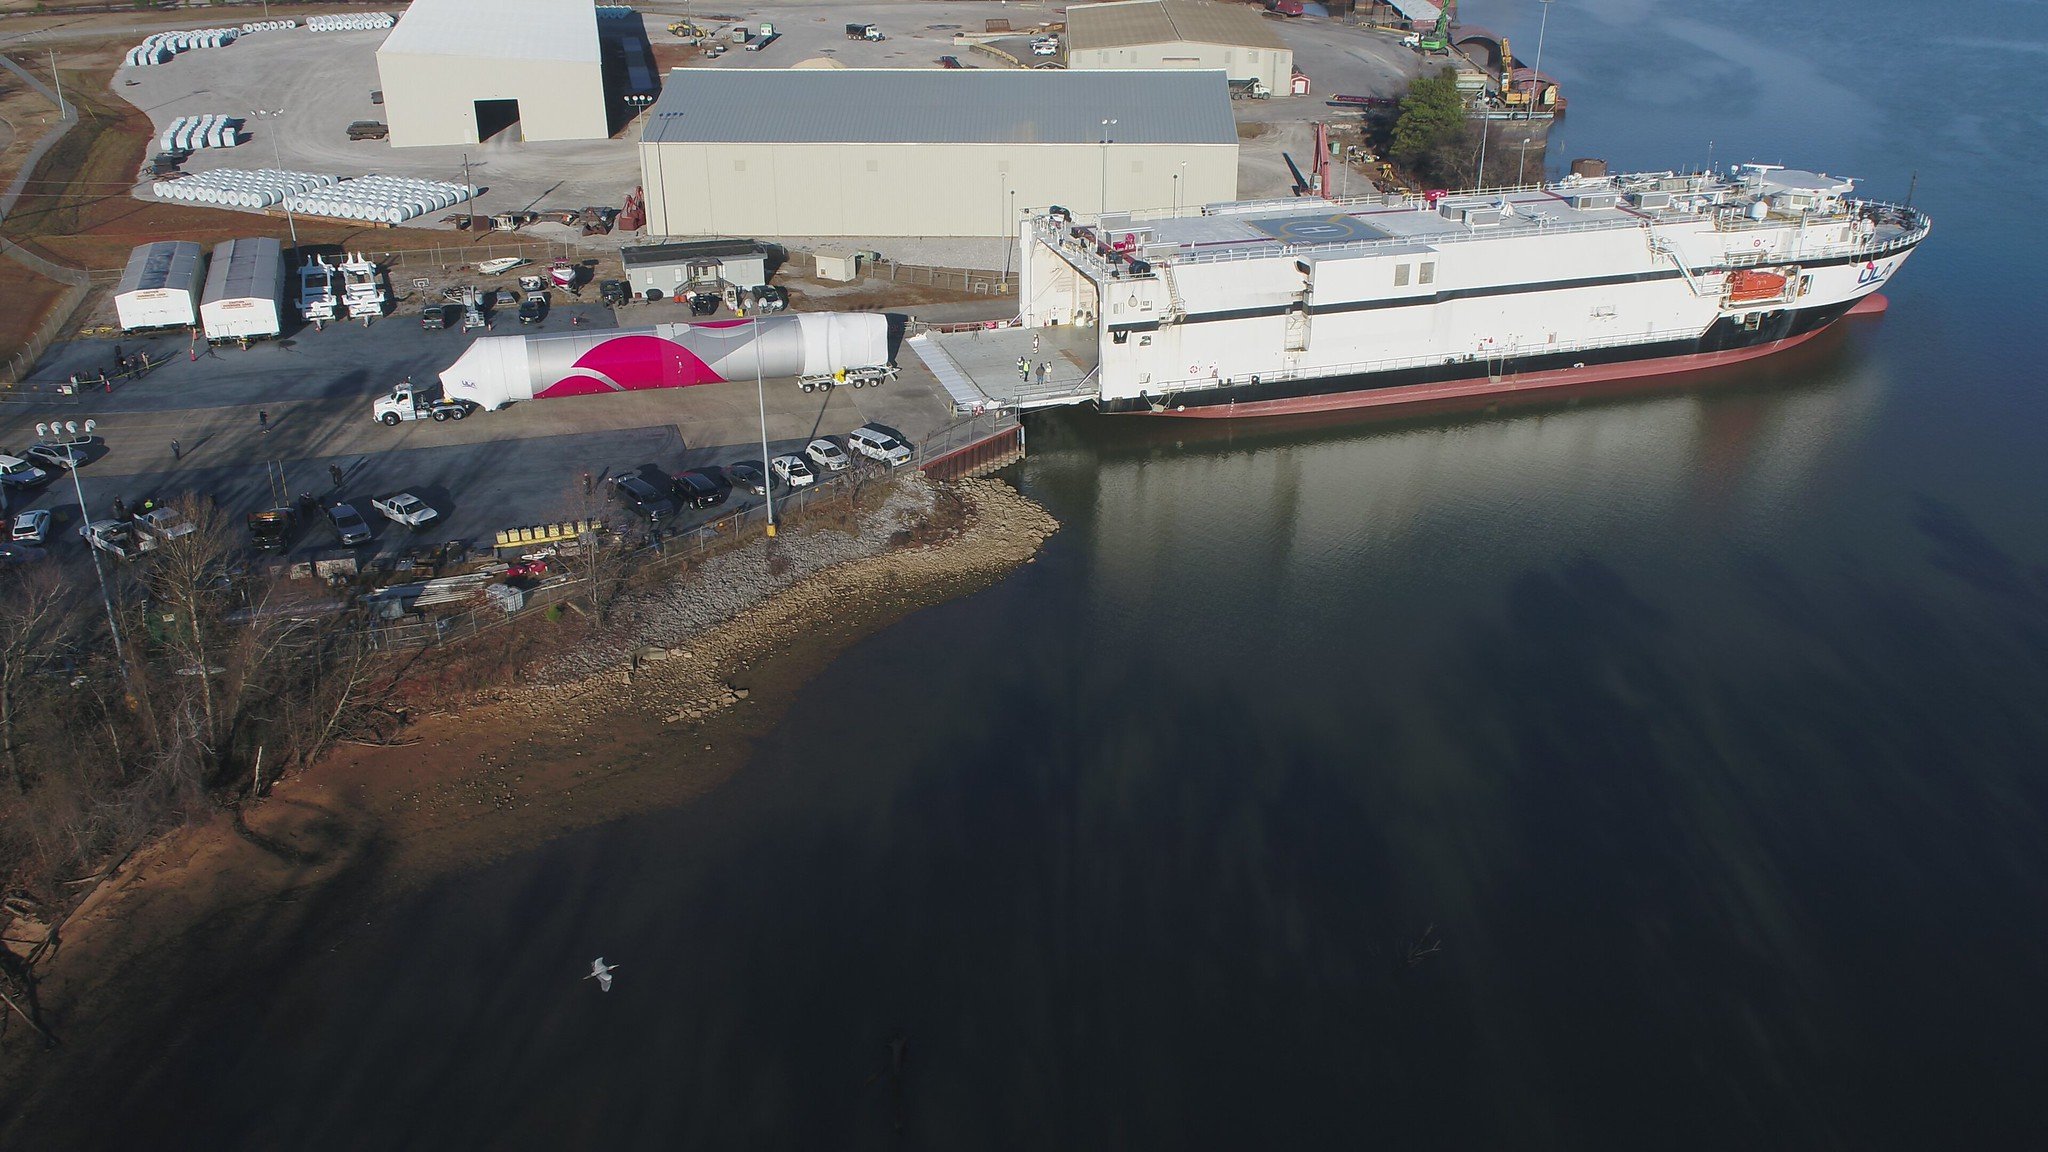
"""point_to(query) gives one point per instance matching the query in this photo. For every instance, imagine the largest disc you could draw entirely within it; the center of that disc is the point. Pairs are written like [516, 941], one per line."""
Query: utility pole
[469, 190]
[1536, 81]
[58, 77]
[1102, 205]
[277, 151]
[761, 398]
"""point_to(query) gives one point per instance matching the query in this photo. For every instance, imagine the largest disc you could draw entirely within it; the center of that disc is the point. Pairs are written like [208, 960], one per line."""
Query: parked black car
[349, 525]
[748, 474]
[699, 488]
[434, 317]
[534, 308]
[636, 493]
[704, 303]
[614, 292]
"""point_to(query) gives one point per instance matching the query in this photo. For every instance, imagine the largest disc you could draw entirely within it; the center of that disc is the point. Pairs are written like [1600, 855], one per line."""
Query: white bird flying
[602, 973]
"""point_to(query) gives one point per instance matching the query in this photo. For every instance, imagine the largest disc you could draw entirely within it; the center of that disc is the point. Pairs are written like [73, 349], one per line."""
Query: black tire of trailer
[440, 414]
[460, 411]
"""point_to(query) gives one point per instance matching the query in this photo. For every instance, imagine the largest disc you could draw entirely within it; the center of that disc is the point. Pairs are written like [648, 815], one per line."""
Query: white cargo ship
[1291, 306]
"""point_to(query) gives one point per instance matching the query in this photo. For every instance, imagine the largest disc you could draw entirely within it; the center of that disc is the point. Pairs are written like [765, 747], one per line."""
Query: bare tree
[597, 557]
[30, 616]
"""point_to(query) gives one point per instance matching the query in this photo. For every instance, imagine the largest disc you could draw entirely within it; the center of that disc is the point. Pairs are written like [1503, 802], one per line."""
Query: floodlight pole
[277, 150]
[106, 598]
[761, 397]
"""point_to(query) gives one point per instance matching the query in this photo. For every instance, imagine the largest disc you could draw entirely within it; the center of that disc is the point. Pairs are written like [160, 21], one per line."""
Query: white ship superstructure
[363, 289]
[317, 300]
[1304, 305]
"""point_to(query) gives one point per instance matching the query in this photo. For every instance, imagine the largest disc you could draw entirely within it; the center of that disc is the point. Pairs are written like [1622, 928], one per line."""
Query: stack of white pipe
[235, 188]
[616, 12]
[164, 45]
[269, 26]
[379, 199]
[350, 22]
[191, 133]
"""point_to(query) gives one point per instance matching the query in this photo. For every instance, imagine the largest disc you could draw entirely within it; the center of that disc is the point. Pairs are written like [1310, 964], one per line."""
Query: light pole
[277, 150]
[58, 78]
[761, 397]
[1009, 241]
[70, 429]
[1536, 80]
[1522, 169]
[1102, 206]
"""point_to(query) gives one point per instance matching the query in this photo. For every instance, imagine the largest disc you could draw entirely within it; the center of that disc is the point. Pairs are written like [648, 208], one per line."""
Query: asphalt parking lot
[301, 406]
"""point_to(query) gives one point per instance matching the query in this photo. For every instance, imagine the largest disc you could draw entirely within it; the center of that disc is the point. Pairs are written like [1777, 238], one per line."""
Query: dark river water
[1668, 772]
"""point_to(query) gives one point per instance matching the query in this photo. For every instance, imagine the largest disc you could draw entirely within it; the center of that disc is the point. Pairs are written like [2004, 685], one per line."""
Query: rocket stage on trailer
[978, 366]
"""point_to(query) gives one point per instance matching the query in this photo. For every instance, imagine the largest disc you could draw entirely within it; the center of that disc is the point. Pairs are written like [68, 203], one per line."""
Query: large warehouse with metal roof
[454, 72]
[1180, 34]
[916, 152]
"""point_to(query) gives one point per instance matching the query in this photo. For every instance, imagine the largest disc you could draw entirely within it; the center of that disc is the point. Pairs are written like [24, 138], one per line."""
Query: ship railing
[1492, 360]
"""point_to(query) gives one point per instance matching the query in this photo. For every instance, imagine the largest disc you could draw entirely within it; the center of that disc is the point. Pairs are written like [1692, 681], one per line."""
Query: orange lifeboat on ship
[1748, 285]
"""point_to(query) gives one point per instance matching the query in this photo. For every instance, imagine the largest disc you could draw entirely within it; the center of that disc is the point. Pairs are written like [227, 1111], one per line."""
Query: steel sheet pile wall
[351, 22]
[379, 199]
[236, 188]
[191, 133]
[497, 370]
[159, 49]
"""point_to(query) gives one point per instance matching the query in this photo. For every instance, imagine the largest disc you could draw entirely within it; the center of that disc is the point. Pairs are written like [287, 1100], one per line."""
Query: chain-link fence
[990, 438]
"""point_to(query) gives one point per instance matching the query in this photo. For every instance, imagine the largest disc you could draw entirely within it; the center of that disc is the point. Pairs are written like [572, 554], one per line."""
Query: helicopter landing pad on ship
[1329, 229]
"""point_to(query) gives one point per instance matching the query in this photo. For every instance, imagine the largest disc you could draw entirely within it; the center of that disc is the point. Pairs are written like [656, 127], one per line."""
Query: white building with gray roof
[458, 72]
[915, 152]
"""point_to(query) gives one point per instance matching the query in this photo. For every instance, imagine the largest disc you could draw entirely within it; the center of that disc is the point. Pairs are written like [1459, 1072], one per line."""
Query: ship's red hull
[1515, 384]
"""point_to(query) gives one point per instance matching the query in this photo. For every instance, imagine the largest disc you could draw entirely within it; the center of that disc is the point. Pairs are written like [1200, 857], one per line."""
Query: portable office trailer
[160, 287]
[671, 269]
[244, 297]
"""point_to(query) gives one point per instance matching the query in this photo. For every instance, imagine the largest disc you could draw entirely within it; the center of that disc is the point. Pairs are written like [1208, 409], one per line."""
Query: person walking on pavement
[586, 483]
[176, 451]
[263, 420]
[334, 470]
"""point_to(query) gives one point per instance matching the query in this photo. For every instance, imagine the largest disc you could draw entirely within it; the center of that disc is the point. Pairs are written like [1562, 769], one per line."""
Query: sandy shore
[671, 711]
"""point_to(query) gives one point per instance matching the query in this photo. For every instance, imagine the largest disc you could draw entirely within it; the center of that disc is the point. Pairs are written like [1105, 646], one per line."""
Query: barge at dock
[1274, 307]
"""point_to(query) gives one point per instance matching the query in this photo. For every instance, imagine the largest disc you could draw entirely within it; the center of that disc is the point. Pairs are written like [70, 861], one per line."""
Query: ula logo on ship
[1872, 274]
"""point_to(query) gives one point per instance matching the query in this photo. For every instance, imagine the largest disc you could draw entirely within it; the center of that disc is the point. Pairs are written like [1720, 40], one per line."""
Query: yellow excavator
[686, 30]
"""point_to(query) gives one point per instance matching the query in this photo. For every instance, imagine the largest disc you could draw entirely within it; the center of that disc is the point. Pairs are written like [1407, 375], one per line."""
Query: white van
[876, 444]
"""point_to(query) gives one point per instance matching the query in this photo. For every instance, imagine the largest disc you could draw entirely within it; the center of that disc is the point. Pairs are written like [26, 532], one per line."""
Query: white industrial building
[244, 298]
[927, 152]
[1195, 34]
[161, 286]
[457, 72]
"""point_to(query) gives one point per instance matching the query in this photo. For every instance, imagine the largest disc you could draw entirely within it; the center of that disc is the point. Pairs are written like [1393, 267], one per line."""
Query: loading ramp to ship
[978, 366]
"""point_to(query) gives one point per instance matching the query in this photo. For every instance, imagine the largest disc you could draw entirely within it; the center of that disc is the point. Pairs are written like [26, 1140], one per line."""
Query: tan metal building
[927, 152]
[1180, 34]
[456, 72]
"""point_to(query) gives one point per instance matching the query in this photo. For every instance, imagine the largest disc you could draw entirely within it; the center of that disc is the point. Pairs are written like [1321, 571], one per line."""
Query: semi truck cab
[407, 403]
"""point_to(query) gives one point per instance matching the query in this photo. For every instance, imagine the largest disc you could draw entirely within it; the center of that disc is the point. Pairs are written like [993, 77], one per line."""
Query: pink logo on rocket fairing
[632, 364]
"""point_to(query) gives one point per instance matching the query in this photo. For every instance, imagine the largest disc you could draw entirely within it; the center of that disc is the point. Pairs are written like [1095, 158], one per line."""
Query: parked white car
[1046, 47]
[876, 444]
[793, 471]
[19, 473]
[827, 455]
[404, 508]
[32, 526]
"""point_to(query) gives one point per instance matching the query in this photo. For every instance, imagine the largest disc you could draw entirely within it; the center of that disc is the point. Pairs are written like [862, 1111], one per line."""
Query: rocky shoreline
[590, 737]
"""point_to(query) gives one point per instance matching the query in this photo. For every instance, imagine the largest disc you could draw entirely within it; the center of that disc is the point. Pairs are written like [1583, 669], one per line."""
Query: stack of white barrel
[379, 199]
[350, 22]
[234, 188]
[164, 45]
[269, 26]
[191, 133]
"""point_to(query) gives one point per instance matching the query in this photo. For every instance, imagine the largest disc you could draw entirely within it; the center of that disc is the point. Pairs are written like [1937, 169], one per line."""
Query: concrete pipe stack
[380, 199]
[350, 22]
[269, 26]
[161, 47]
[191, 133]
[235, 188]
